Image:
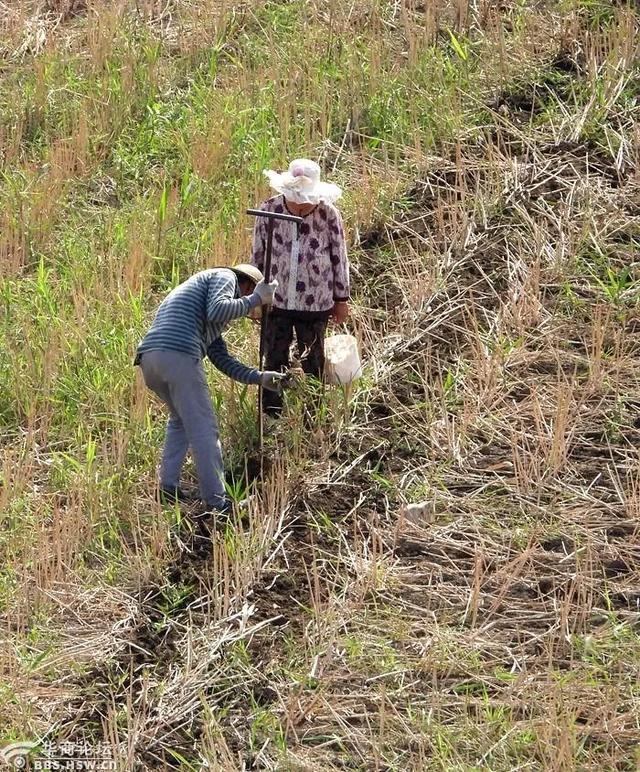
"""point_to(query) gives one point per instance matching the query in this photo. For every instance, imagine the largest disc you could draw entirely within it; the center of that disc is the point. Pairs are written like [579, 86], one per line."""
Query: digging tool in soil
[271, 216]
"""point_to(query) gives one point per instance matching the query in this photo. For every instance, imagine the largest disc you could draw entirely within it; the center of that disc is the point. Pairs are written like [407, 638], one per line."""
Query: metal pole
[271, 216]
[264, 320]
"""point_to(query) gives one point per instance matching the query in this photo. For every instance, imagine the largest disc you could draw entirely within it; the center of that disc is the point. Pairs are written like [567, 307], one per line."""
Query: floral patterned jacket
[309, 259]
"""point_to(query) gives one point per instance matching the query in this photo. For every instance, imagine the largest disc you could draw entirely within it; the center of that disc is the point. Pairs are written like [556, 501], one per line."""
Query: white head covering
[302, 185]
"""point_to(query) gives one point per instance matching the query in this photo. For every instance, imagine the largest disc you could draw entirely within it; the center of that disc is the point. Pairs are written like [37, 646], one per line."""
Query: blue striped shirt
[192, 317]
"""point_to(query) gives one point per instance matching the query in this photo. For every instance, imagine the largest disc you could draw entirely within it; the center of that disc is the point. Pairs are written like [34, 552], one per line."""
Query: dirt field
[441, 573]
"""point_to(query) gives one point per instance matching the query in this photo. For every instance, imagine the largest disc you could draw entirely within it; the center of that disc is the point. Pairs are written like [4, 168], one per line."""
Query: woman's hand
[340, 312]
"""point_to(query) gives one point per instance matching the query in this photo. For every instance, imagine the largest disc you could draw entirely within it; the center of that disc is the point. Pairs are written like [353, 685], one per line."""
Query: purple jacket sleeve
[339, 259]
[259, 244]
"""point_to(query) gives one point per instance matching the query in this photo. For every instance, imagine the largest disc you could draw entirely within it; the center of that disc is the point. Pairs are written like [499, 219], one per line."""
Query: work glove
[272, 381]
[266, 291]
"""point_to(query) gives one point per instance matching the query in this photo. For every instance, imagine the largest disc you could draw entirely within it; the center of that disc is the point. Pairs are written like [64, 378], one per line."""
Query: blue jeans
[179, 380]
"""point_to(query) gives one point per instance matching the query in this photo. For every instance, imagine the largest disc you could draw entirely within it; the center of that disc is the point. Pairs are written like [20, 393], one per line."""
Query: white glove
[266, 291]
[272, 381]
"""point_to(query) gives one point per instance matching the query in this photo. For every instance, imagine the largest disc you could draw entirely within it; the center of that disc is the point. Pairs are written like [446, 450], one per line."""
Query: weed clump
[441, 571]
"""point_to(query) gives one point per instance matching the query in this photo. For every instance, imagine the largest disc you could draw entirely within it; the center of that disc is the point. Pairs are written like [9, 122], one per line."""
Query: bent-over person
[187, 327]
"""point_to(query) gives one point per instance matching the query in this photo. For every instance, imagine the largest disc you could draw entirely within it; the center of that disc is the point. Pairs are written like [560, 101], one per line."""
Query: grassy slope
[491, 202]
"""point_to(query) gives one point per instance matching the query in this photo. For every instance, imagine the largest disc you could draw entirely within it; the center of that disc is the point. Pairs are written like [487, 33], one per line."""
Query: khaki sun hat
[248, 272]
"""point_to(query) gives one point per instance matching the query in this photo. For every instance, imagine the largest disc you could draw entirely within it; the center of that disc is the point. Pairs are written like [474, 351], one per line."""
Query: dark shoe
[219, 516]
[212, 519]
[172, 496]
[272, 403]
[225, 506]
[230, 505]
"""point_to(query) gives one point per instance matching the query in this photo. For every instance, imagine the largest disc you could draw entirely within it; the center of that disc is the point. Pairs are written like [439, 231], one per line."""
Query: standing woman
[309, 261]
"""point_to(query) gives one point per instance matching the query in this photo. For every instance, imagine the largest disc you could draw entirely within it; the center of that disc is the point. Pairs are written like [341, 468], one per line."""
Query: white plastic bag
[342, 365]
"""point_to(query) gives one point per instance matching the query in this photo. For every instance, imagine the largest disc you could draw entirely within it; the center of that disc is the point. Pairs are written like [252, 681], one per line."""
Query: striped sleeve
[223, 361]
[222, 304]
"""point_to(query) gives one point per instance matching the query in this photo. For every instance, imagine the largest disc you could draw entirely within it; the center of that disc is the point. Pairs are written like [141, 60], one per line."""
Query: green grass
[495, 293]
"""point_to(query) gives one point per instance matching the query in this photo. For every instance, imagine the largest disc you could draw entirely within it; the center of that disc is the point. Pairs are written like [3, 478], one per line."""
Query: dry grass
[490, 158]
